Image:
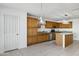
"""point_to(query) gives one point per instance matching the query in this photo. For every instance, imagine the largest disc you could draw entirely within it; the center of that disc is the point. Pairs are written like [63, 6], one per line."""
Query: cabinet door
[66, 25]
[58, 39]
[48, 24]
[32, 31]
[52, 24]
[43, 37]
[32, 22]
[68, 40]
[32, 40]
[40, 38]
[55, 25]
[29, 40]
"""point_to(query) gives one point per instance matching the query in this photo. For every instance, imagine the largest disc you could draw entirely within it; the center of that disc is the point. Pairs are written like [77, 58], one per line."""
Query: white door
[11, 31]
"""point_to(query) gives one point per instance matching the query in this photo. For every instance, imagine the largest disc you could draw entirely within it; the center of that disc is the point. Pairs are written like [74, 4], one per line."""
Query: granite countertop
[44, 30]
[59, 30]
[63, 31]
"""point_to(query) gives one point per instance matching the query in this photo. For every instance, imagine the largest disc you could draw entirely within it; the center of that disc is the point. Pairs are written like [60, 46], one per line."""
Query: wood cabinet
[32, 40]
[32, 22]
[59, 39]
[68, 39]
[42, 37]
[32, 30]
[33, 36]
[50, 24]
[66, 25]
[55, 25]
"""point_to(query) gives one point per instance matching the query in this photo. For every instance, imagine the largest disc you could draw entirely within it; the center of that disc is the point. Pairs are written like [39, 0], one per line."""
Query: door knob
[17, 34]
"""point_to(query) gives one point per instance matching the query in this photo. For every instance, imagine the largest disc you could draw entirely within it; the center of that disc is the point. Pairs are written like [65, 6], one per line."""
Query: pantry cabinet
[33, 36]
[32, 30]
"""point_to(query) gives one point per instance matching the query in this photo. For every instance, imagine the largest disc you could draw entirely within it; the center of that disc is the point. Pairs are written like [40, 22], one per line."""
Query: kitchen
[39, 28]
[39, 32]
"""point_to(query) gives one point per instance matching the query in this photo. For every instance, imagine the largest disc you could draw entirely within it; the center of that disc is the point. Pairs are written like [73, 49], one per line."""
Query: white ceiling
[49, 10]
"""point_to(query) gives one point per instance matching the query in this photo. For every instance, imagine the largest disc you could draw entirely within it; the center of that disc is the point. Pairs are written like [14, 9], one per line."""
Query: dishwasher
[52, 35]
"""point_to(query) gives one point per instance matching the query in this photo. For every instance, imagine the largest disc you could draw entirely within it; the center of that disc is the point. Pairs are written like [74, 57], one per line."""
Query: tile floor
[46, 49]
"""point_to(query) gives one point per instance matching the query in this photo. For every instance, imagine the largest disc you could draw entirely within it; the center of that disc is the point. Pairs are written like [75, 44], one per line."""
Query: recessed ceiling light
[66, 15]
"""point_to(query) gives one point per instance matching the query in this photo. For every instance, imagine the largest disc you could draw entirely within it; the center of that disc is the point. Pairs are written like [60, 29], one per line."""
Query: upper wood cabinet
[55, 25]
[32, 22]
[66, 25]
[50, 24]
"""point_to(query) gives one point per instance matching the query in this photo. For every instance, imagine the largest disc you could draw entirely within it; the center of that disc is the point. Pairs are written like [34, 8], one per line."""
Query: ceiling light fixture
[42, 19]
[65, 21]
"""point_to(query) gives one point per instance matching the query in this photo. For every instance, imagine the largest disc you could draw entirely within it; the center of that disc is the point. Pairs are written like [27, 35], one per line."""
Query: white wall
[75, 29]
[1, 33]
[23, 31]
[22, 42]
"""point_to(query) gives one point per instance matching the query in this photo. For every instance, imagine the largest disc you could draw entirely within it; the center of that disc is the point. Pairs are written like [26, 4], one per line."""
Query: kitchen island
[64, 39]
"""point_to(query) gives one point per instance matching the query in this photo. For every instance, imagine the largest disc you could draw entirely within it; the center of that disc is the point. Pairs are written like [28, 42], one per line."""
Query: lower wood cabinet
[69, 25]
[32, 40]
[68, 39]
[42, 38]
[37, 39]
[58, 39]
